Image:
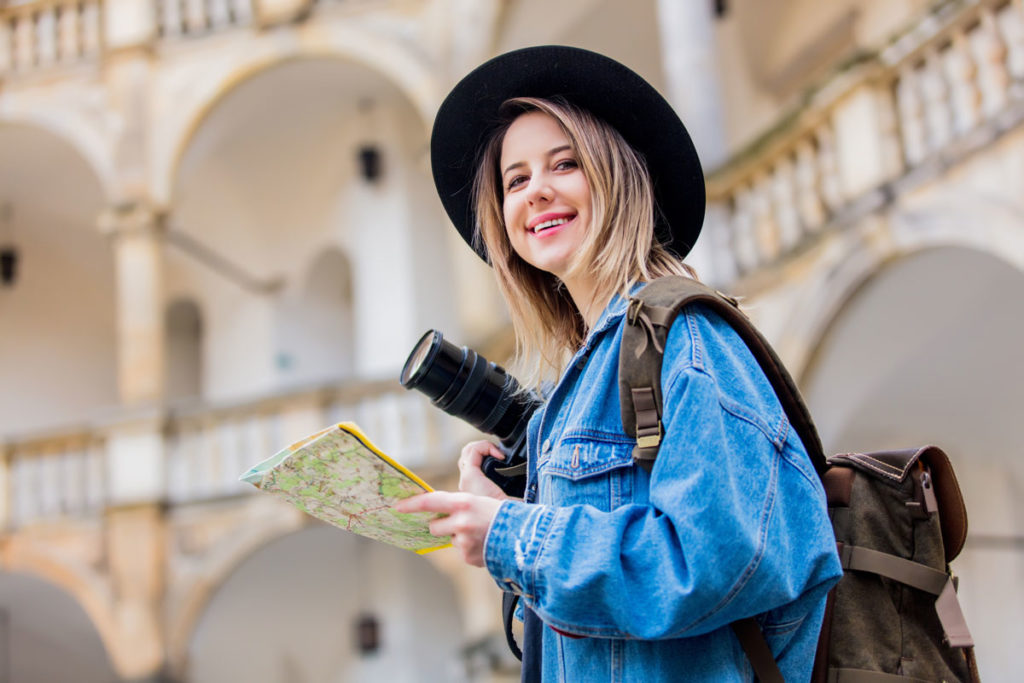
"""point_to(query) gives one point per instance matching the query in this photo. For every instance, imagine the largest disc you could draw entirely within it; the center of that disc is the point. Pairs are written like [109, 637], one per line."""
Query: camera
[461, 382]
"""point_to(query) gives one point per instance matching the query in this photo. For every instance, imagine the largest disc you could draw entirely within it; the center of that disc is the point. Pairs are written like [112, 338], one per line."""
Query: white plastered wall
[57, 344]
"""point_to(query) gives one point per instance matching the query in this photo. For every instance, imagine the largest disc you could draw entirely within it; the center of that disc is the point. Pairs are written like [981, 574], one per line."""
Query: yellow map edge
[354, 430]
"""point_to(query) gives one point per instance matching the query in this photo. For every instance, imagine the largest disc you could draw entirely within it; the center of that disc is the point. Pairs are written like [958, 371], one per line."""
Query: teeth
[550, 224]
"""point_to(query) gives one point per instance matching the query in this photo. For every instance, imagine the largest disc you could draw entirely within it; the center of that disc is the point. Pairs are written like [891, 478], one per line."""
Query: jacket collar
[610, 317]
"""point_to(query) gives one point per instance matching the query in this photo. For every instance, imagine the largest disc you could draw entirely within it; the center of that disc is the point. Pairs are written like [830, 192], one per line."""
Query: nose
[539, 189]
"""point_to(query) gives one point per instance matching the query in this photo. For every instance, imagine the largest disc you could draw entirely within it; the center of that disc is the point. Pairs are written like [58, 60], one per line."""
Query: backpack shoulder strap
[649, 317]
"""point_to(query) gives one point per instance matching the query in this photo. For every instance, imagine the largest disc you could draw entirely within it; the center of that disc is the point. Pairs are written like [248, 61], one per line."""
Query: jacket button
[546, 446]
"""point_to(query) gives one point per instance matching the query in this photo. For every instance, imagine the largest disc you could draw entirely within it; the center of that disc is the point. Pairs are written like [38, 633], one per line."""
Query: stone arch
[271, 195]
[89, 590]
[199, 97]
[321, 574]
[79, 134]
[191, 596]
[939, 290]
[995, 229]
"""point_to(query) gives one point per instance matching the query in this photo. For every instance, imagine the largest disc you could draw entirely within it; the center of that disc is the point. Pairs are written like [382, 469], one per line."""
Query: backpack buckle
[649, 440]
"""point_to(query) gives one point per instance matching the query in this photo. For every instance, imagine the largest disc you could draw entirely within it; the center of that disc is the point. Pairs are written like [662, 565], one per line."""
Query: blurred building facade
[218, 233]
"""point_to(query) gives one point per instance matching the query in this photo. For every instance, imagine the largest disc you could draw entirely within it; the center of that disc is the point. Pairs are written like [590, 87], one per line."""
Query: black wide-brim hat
[602, 86]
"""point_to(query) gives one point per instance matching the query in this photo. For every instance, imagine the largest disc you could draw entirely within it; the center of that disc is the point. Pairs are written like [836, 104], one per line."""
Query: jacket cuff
[513, 545]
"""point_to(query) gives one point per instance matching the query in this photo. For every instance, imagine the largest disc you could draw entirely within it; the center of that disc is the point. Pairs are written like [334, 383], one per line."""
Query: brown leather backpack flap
[952, 511]
[895, 466]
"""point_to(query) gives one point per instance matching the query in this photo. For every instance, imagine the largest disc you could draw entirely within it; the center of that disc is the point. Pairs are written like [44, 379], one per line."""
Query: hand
[471, 477]
[468, 517]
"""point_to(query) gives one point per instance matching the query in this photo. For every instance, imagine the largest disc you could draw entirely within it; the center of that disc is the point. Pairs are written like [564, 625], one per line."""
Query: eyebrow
[551, 153]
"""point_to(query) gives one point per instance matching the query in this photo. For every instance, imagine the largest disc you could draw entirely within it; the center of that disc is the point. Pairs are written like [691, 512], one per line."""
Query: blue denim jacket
[652, 569]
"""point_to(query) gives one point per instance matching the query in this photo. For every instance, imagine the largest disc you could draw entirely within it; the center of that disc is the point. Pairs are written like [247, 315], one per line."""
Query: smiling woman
[549, 160]
[585, 187]
[547, 199]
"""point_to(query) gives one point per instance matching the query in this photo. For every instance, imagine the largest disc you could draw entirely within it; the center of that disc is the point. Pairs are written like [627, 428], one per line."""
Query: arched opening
[315, 329]
[276, 170]
[294, 610]
[46, 636]
[58, 347]
[928, 351]
[184, 327]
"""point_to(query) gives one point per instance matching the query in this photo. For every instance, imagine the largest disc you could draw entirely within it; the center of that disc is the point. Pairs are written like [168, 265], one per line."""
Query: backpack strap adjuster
[648, 425]
[649, 440]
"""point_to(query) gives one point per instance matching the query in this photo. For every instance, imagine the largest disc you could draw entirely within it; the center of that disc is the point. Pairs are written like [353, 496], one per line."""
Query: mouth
[551, 223]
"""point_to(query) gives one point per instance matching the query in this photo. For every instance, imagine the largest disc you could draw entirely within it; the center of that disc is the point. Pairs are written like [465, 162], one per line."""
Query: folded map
[339, 476]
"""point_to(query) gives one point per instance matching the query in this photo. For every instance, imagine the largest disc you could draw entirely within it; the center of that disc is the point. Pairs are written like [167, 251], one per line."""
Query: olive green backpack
[898, 517]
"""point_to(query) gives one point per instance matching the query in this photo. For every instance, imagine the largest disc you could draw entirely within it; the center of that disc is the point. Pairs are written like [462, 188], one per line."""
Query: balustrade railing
[39, 34]
[942, 89]
[205, 450]
[47, 33]
[189, 18]
[208, 451]
[56, 477]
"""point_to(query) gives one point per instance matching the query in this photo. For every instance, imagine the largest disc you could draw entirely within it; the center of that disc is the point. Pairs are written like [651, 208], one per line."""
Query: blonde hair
[618, 250]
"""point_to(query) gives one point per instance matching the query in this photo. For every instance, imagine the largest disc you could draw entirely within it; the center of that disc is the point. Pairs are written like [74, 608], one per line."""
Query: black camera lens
[463, 383]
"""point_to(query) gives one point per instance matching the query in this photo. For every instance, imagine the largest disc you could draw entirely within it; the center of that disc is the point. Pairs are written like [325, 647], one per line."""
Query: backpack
[898, 518]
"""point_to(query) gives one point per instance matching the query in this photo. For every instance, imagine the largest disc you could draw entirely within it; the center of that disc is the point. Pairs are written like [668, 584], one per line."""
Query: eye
[514, 182]
[566, 165]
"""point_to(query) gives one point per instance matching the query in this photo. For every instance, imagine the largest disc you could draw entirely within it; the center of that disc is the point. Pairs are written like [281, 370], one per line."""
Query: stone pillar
[135, 467]
[135, 545]
[474, 27]
[688, 54]
[136, 232]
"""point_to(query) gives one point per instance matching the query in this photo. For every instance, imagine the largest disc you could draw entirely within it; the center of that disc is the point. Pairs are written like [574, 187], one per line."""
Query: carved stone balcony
[204, 449]
[886, 123]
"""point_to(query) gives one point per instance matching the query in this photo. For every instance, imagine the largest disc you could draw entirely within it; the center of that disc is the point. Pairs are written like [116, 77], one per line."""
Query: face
[546, 201]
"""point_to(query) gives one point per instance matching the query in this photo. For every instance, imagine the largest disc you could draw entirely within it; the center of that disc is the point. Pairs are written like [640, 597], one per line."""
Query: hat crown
[607, 89]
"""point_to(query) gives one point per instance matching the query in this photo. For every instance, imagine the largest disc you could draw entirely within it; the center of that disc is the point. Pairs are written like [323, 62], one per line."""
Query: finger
[444, 502]
[443, 526]
[474, 452]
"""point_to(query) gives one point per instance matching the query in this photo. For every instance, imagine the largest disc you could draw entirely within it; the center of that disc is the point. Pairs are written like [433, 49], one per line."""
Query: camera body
[463, 383]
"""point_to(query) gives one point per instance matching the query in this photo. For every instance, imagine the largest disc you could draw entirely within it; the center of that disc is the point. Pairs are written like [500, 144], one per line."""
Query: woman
[576, 181]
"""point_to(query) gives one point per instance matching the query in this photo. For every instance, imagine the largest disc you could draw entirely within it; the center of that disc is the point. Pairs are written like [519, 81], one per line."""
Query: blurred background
[218, 233]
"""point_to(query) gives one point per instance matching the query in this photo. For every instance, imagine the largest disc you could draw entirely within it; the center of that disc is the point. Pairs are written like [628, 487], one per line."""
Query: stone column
[135, 452]
[136, 232]
[474, 26]
[135, 554]
[688, 55]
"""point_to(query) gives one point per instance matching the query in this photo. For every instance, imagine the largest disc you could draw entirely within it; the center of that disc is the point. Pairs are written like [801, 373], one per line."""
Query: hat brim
[602, 86]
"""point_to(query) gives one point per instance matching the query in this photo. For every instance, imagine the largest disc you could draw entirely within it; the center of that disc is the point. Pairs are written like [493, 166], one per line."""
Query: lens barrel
[463, 383]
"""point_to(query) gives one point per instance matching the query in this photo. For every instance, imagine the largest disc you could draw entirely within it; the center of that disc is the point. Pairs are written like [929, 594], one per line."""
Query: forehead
[531, 133]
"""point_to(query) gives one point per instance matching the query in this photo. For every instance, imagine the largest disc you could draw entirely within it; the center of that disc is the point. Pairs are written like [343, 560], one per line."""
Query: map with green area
[339, 476]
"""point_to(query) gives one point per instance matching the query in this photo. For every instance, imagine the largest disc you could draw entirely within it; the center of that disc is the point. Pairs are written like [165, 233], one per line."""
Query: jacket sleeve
[735, 523]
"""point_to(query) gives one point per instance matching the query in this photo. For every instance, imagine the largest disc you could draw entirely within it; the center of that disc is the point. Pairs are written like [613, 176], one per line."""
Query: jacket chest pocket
[587, 471]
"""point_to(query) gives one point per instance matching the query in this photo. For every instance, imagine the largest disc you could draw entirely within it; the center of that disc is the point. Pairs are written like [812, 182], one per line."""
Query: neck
[583, 291]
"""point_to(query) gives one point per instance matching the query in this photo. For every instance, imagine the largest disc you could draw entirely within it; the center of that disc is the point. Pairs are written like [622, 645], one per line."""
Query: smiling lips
[546, 221]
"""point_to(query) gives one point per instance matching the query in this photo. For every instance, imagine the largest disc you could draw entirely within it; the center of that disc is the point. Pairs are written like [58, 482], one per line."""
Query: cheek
[509, 215]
